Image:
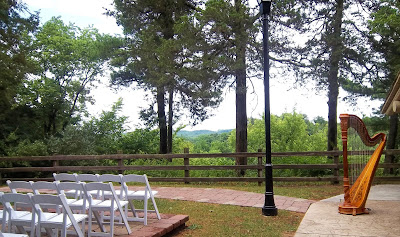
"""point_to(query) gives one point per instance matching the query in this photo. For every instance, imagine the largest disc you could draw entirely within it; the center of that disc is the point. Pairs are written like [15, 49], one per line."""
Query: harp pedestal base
[352, 210]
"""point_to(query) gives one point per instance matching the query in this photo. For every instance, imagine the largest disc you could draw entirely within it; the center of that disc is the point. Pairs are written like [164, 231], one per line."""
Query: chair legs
[155, 208]
[145, 210]
[99, 221]
[112, 205]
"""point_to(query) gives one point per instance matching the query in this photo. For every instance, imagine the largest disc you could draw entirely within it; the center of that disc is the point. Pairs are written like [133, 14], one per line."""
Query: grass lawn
[226, 220]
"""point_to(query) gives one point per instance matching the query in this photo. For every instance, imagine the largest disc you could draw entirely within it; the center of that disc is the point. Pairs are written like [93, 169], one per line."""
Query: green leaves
[289, 132]
[16, 27]
[68, 60]
[50, 74]
[385, 25]
[140, 141]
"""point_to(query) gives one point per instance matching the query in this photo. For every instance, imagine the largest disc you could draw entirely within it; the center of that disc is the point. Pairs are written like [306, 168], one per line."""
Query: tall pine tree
[160, 57]
[325, 43]
[231, 31]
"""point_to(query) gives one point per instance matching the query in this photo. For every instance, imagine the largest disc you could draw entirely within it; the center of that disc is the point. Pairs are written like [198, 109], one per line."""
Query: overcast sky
[283, 98]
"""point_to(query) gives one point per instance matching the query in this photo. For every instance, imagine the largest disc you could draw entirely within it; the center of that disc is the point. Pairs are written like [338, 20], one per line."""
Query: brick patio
[169, 223]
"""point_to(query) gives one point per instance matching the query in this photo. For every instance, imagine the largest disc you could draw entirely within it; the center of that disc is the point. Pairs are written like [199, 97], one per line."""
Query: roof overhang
[392, 102]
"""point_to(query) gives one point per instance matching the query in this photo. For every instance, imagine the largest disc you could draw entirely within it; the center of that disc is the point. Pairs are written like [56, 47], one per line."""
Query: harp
[356, 189]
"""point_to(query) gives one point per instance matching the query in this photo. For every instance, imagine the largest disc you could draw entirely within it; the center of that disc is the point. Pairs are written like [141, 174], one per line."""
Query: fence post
[186, 163]
[259, 171]
[336, 169]
[56, 163]
[120, 162]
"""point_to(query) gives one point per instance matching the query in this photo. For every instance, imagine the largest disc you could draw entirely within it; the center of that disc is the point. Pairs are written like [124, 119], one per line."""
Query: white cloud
[83, 13]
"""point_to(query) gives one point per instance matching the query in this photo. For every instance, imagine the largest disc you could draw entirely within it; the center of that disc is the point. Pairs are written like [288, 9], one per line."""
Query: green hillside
[196, 133]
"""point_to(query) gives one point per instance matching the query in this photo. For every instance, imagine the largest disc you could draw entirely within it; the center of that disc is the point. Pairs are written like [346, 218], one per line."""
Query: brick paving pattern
[222, 196]
[231, 197]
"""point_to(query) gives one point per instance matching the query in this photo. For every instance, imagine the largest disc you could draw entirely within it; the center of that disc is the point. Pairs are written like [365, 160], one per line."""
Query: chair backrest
[20, 186]
[60, 200]
[8, 198]
[137, 179]
[116, 178]
[47, 187]
[77, 189]
[43, 187]
[65, 177]
[10, 213]
[87, 177]
[100, 187]
[45, 199]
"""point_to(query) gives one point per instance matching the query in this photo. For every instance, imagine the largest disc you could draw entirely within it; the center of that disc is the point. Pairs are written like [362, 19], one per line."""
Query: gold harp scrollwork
[356, 196]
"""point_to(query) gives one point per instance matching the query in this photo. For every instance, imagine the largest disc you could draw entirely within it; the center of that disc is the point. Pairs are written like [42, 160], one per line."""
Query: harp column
[269, 208]
[344, 124]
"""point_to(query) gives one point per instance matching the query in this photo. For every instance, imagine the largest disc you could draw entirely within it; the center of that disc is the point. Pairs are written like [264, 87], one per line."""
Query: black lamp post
[269, 208]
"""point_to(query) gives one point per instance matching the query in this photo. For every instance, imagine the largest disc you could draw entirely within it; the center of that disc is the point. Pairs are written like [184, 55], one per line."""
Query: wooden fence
[9, 171]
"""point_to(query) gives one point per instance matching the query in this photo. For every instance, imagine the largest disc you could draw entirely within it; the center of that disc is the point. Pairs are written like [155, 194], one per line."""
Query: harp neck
[352, 121]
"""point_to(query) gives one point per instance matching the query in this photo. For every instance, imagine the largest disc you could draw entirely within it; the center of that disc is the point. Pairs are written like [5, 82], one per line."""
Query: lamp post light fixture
[269, 208]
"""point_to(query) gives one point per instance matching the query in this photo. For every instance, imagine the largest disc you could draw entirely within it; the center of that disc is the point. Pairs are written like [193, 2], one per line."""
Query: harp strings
[358, 152]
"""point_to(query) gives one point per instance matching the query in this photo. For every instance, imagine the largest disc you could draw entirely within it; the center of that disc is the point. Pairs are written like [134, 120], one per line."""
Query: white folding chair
[65, 177]
[115, 178]
[89, 178]
[112, 205]
[61, 221]
[13, 218]
[20, 187]
[79, 201]
[1, 211]
[12, 235]
[44, 187]
[143, 195]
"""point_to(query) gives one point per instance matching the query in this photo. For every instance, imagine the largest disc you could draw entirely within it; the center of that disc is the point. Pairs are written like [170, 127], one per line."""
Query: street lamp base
[270, 211]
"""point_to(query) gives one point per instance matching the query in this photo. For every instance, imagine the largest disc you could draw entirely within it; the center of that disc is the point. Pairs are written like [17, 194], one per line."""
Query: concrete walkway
[323, 219]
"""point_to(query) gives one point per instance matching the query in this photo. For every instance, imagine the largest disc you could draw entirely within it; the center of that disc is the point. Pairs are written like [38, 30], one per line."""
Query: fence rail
[55, 166]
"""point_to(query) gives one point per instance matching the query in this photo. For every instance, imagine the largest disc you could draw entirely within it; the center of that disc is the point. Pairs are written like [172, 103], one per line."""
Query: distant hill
[196, 133]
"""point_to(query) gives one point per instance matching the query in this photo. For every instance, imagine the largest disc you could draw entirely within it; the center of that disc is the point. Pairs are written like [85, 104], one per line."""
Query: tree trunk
[50, 127]
[241, 90]
[391, 142]
[167, 16]
[241, 119]
[162, 121]
[170, 119]
[335, 44]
